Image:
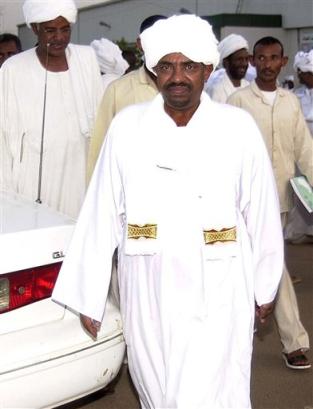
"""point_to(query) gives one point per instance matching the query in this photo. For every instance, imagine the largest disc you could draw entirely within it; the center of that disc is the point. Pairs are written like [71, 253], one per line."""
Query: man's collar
[258, 91]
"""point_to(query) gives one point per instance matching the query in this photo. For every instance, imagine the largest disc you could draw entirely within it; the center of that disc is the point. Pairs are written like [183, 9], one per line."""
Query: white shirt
[270, 96]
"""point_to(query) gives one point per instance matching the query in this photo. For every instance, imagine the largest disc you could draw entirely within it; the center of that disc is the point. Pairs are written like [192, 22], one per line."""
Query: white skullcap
[289, 78]
[109, 57]
[231, 44]
[304, 61]
[186, 34]
[39, 11]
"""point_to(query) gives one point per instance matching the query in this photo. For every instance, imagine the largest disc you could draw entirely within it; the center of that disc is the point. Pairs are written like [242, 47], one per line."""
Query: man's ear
[225, 63]
[208, 71]
[138, 44]
[35, 28]
[285, 60]
[251, 61]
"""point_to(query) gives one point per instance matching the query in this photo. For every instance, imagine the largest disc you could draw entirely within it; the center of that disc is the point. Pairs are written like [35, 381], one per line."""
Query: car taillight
[27, 286]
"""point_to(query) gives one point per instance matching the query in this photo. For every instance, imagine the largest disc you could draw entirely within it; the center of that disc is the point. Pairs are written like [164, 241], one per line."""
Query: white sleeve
[84, 279]
[260, 209]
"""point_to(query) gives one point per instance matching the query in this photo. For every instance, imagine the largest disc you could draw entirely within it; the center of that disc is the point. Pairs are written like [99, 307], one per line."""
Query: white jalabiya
[300, 222]
[222, 88]
[305, 96]
[175, 291]
[71, 103]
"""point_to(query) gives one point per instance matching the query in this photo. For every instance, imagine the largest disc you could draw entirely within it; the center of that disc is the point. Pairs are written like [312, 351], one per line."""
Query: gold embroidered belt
[135, 231]
[212, 236]
[149, 231]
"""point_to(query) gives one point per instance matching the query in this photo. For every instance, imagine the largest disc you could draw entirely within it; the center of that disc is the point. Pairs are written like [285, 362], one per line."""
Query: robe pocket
[142, 246]
[142, 239]
[220, 251]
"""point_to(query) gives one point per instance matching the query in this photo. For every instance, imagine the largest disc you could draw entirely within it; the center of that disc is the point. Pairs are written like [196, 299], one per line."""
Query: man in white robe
[234, 57]
[111, 62]
[197, 229]
[303, 65]
[49, 93]
[300, 224]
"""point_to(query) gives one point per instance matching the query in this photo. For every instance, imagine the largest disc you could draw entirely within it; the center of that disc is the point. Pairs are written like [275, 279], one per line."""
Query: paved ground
[273, 385]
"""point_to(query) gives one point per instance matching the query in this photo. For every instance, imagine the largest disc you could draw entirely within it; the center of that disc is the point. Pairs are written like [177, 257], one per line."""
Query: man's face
[268, 61]
[305, 78]
[56, 32]
[7, 49]
[181, 81]
[237, 63]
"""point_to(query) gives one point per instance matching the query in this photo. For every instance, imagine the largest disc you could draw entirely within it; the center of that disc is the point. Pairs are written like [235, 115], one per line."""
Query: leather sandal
[296, 360]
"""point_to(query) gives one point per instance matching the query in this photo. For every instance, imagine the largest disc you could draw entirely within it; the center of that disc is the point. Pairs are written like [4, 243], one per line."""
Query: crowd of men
[198, 228]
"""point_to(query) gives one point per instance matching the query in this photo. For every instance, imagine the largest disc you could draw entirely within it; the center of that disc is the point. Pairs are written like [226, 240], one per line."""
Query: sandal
[296, 360]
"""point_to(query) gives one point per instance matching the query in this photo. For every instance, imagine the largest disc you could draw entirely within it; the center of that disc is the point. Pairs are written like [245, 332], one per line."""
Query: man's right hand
[90, 325]
[263, 311]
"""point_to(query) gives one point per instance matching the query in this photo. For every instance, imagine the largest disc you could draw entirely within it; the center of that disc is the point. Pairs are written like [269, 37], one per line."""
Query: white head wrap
[109, 57]
[186, 34]
[231, 44]
[304, 61]
[39, 11]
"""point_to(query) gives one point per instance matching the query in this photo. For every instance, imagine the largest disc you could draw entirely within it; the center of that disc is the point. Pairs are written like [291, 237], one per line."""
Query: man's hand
[90, 325]
[264, 310]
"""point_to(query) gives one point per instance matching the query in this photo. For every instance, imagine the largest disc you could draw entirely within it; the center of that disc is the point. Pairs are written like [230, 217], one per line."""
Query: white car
[46, 358]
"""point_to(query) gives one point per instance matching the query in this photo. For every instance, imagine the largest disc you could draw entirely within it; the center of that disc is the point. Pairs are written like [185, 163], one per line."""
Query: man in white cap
[196, 226]
[234, 57]
[110, 59]
[278, 114]
[49, 97]
[300, 224]
[303, 65]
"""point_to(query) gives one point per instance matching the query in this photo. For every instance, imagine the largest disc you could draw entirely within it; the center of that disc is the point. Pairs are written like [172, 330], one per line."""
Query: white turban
[231, 44]
[39, 11]
[304, 61]
[186, 34]
[109, 57]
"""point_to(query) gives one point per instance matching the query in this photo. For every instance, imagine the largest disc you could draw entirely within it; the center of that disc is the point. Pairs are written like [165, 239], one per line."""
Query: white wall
[11, 13]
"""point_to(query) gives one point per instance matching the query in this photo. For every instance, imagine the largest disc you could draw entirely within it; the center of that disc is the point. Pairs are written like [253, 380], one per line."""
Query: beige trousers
[293, 335]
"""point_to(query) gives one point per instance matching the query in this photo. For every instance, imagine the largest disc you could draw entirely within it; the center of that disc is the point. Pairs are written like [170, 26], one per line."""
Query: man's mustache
[268, 72]
[177, 84]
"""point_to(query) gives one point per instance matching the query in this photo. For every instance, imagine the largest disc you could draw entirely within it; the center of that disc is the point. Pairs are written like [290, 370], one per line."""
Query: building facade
[289, 20]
